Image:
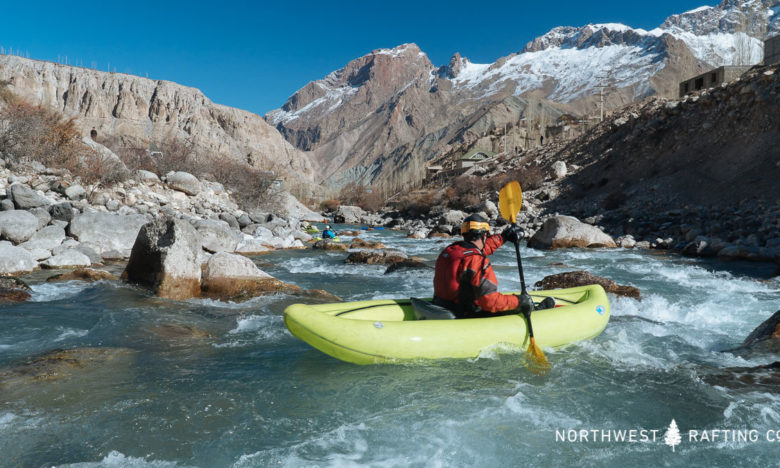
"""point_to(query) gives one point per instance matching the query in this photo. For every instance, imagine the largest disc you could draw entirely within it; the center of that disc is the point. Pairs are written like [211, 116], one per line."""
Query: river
[238, 390]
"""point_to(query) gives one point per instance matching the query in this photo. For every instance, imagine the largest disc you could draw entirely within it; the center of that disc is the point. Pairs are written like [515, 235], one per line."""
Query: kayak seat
[424, 310]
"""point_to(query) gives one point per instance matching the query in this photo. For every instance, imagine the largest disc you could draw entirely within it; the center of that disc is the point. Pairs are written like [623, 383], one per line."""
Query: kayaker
[328, 233]
[464, 281]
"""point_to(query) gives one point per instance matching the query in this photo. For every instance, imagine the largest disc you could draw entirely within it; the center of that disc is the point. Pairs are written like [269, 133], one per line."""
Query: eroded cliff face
[139, 110]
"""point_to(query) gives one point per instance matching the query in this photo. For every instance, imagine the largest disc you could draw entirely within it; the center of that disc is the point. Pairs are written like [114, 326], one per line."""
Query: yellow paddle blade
[510, 200]
[538, 363]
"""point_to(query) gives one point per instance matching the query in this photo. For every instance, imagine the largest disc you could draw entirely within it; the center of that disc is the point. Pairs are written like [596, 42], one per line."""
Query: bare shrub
[359, 195]
[250, 186]
[330, 205]
[36, 133]
[415, 204]
[175, 154]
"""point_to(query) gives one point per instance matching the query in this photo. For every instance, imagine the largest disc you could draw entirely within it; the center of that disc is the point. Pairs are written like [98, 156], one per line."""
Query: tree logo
[672, 436]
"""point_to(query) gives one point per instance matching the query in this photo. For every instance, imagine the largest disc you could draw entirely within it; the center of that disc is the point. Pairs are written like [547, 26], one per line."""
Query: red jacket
[464, 278]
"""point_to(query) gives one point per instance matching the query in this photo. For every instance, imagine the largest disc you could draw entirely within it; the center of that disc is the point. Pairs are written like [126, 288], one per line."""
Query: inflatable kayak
[312, 230]
[390, 330]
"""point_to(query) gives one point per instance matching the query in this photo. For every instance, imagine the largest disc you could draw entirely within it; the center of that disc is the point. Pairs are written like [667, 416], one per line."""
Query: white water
[249, 394]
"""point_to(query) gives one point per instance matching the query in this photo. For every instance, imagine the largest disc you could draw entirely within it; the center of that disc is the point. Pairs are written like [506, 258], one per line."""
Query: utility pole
[601, 87]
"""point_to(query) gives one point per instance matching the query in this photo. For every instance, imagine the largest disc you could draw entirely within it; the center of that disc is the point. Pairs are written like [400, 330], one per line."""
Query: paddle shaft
[522, 285]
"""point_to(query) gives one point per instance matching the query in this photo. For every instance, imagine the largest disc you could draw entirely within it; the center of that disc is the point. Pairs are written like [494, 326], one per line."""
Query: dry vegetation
[362, 196]
[250, 187]
[31, 133]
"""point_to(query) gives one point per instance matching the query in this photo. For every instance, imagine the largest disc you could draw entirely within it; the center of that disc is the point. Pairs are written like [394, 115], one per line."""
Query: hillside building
[772, 50]
[472, 157]
[711, 79]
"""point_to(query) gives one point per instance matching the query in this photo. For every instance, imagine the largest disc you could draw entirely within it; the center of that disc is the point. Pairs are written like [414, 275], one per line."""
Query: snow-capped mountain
[393, 106]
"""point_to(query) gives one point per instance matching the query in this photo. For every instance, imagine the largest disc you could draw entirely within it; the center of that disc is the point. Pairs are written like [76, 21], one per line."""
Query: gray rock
[348, 214]
[260, 217]
[244, 220]
[112, 205]
[146, 177]
[70, 258]
[25, 198]
[568, 231]
[47, 238]
[104, 231]
[75, 192]
[6, 205]
[43, 216]
[61, 211]
[15, 260]
[165, 259]
[216, 236]
[231, 220]
[559, 169]
[17, 225]
[452, 217]
[183, 182]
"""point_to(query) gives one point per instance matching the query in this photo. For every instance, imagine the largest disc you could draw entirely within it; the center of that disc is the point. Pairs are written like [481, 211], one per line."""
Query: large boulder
[367, 257]
[13, 290]
[348, 214]
[768, 330]
[216, 235]
[17, 225]
[47, 238]
[325, 244]
[412, 263]
[574, 279]
[70, 258]
[164, 259]
[235, 277]
[25, 198]
[183, 182]
[15, 260]
[567, 231]
[106, 232]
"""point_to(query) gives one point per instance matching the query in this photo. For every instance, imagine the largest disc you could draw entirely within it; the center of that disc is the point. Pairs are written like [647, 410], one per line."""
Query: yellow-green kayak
[386, 331]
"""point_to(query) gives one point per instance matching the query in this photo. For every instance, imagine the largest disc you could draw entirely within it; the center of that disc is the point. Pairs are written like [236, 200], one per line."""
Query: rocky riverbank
[747, 231]
[49, 219]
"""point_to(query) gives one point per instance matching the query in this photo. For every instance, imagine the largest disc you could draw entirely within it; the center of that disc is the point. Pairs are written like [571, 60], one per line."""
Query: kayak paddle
[510, 200]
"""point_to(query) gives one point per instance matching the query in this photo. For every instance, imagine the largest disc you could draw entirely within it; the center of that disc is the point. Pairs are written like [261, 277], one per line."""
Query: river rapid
[236, 389]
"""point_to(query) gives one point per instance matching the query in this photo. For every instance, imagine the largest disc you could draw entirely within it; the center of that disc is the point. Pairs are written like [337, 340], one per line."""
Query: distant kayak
[388, 330]
[312, 230]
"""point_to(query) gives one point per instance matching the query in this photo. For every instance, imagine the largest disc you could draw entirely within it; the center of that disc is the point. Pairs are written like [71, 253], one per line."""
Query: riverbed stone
[47, 238]
[106, 231]
[183, 182]
[329, 245]
[411, 263]
[164, 259]
[61, 211]
[358, 243]
[366, 257]
[348, 214]
[17, 225]
[235, 277]
[70, 258]
[15, 260]
[57, 364]
[567, 231]
[573, 279]
[768, 330]
[216, 235]
[25, 198]
[83, 274]
[13, 290]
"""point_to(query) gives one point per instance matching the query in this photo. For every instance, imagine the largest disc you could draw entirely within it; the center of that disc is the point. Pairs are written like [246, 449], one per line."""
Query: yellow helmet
[475, 224]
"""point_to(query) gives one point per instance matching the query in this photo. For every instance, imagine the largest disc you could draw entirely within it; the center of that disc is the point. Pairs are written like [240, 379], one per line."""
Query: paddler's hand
[524, 303]
[513, 234]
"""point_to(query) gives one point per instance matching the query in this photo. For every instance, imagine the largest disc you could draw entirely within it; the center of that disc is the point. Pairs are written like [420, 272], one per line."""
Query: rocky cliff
[384, 115]
[139, 111]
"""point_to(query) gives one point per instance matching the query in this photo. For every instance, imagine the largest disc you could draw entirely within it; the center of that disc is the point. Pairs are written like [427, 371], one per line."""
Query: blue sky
[254, 55]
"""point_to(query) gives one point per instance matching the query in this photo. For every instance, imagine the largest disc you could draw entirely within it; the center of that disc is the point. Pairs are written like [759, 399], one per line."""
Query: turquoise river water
[243, 392]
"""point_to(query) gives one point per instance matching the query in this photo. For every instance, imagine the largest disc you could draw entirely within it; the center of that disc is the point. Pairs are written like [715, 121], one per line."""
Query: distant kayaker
[464, 281]
[328, 233]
